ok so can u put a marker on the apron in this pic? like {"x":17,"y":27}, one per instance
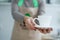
{"x":32,"y":11}
{"x":25,"y":34}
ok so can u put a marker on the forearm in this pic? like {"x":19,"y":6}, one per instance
{"x":18,"y":16}
{"x":41,"y":9}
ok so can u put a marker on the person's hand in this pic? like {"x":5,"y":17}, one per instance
{"x":31,"y":26}
{"x":45,"y":30}
{"x":29,"y":23}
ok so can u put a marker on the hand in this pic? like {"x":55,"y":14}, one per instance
{"x":29,"y":23}
{"x":44,"y":30}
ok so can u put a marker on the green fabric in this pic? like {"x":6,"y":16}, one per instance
{"x":20,"y":3}
{"x":35,"y":3}
{"x":27,"y":14}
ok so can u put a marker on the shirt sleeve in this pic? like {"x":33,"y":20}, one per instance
{"x":41,"y":9}
{"x":15,"y":12}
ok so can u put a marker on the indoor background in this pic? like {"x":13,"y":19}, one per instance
{"x":52,"y":7}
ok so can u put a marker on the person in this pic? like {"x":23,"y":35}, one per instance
{"x":24,"y":27}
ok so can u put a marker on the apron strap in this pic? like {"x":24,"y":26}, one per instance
{"x":20,"y":3}
{"x":35,"y":3}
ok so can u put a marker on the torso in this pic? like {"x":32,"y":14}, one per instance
{"x":28,"y":4}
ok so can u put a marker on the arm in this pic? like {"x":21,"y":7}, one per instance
{"x":40,"y":10}
{"x":41,"y":7}
{"x":15,"y":12}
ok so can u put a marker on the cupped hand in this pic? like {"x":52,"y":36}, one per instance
{"x":31,"y":26}
{"x":45,"y":30}
{"x":29,"y":23}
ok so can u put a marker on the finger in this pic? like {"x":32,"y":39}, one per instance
{"x":31,"y":25}
{"x":47,"y":30}
{"x":32,"y":21}
{"x":50,"y":29}
{"x":28,"y":27}
{"x":42,"y":30}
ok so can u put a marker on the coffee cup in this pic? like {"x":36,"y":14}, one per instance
{"x":44,"y":22}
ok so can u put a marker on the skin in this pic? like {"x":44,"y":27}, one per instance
{"x":31,"y":26}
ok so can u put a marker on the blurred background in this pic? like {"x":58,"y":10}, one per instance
{"x":52,"y":7}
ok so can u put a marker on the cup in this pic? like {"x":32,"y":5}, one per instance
{"x":44,"y":21}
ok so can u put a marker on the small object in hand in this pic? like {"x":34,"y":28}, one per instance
{"x":27,"y":14}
